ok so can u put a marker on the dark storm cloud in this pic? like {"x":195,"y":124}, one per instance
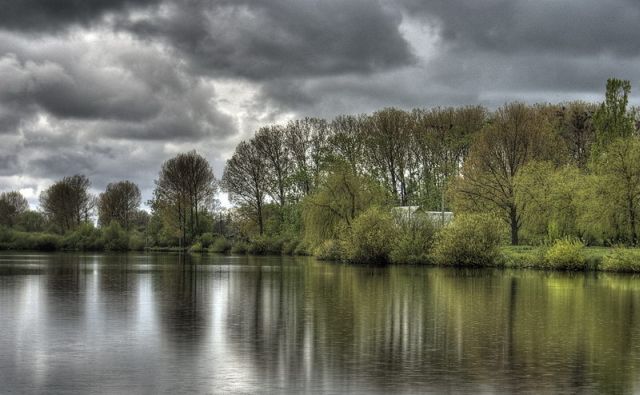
{"x":280,"y":38}
{"x":49,"y":15}
{"x":113,"y":88}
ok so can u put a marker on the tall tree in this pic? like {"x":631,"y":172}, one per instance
{"x":271,"y":144}
{"x":119,"y":202}
{"x":515,"y":135}
{"x":185,"y":187}
{"x":12,"y":205}
{"x":245,"y":179}
{"x":613,"y":120}
{"x":67,"y":203}
{"x":306,"y":142}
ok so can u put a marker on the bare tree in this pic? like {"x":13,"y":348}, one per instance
{"x":271,"y":144}
{"x":67,"y":203}
{"x":12,"y":205}
{"x":245,"y":179}
{"x":119,"y":202}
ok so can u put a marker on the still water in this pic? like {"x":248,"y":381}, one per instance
{"x":83,"y":323}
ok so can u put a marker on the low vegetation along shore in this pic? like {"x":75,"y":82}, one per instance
{"x":561,"y":179}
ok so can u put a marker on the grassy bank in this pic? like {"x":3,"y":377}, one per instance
{"x":616,"y":259}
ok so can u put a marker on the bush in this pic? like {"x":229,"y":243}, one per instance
{"x":34,"y":241}
{"x":85,"y":238}
{"x":565,"y":254}
{"x":207,"y":239}
{"x":220,"y":245}
{"x":137,"y":241}
{"x":329,"y":250}
{"x":263,"y":245}
{"x":239,"y":247}
{"x":370,"y":238}
{"x":622,"y":260}
{"x":196,"y":247}
{"x":289,"y":247}
{"x":413,"y":242}
{"x":469,"y":240}
{"x":302,"y":249}
{"x":115,"y":238}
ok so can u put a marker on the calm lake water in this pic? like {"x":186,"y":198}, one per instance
{"x":84,"y":323}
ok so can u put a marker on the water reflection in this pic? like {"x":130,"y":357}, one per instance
{"x":164,"y":323}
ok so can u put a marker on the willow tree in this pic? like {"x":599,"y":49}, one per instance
{"x":119,"y":203}
{"x":245,"y":179}
{"x":516,"y":134}
{"x":185,"y":187}
{"x":12,"y":205}
{"x":67,"y":203}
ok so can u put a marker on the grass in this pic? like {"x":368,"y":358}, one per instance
{"x":533,"y":256}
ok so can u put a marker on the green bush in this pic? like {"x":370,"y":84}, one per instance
{"x":289,"y":246}
{"x":469,"y":240}
{"x":240,"y":247}
{"x":34,"y":241}
{"x":413,"y":242}
{"x":370,"y":238}
{"x":622,"y":260}
{"x":263,"y":245}
{"x":136,"y":241}
{"x":302,"y":249}
{"x":196,"y":247}
{"x":220,"y":245}
{"x":115,"y":238}
{"x":329,"y":250}
{"x":523,"y":256}
{"x":207,"y":239}
{"x":565,"y":254}
{"x":85,"y":238}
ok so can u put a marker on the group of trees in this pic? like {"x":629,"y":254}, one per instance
{"x":546,"y":170}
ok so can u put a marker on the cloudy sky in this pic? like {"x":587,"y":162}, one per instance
{"x":112,"y":88}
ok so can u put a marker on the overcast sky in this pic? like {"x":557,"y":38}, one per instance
{"x":112,"y":88}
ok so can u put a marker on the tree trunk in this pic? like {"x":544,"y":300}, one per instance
{"x":513,"y":214}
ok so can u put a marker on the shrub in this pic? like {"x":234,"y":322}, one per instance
{"x":413,"y":242}
{"x":35,"y":241}
{"x":622,"y":260}
{"x":263,"y":245}
{"x":565,"y":254}
{"x":196,"y":247}
{"x":370,"y":238}
{"x":207,"y":239}
{"x":329,"y":250}
{"x":136,"y":241}
{"x":302,"y":249}
{"x":469,"y":240}
{"x":239,"y":247}
{"x":221,"y":245}
{"x":85,"y":238}
{"x":115,"y":238}
{"x":289,"y":246}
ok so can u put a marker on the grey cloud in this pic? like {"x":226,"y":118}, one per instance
{"x":47,"y":15}
{"x":281,"y":38}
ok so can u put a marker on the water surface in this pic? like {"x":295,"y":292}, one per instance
{"x":84,"y":323}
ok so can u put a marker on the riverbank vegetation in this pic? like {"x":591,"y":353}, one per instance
{"x":561,"y":178}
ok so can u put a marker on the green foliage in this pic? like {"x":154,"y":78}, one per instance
{"x":239,"y":247}
{"x":196,"y":247}
{"x":469,"y":240}
{"x":220,"y":245}
{"x":84,"y":238}
{"x":263,"y":245}
{"x":136,"y":241}
{"x":329,"y":250}
{"x":622,"y":260}
{"x":612,"y":120}
{"x":413,"y":241}
{"x":370,"y":238}
{"x":114,"y":237}
{"x":289,"y":246}
{"x":338,"y":201}
{"x":565,"y":254}
{"x":29,"y":241}
{"x":206,"y":239}
{"x":302,"y":249}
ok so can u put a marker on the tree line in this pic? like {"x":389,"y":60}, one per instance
{"x":547,"y":171}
